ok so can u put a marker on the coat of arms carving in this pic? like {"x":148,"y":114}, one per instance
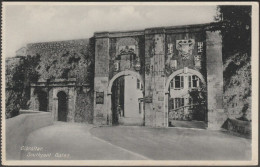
{"x":185,"y":47}
{"x":128,"y":49}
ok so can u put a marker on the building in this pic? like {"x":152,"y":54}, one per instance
{"x":144,"y":77}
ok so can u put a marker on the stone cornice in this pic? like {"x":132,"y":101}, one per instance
{"x":157,"y":30}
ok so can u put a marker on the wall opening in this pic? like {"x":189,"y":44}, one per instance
{"x":62,"y":106}
{"x":117,"y":99}
{"x":187,"y":100}
{"x":43,"y":101}
{"x":126,"y":101}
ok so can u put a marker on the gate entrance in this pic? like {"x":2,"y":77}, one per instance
{"x":187,"y":100}
{"x":43,"y":101}
{"x":62,"y":106}
{"x":126,"y":101}
{"x":152,"y":55}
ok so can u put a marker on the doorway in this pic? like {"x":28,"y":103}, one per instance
{"x":127,"y":101}
{"x":187,"y":100}
{"x":43,"y":101}
{"x":62,"y":106}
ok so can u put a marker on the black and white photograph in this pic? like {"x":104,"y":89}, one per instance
{"x":130,"y":83}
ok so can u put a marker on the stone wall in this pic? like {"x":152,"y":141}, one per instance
{"x":18,"y":128}
{"x":62,"y":60}
{"x":101,"y":80}
{"x":195,"y":61}
{"x":216,"y":115}
{"x":84,"y":107}
{"x":162,"y":52}
{"x":158,"y":54}
{"x":154,"y":77}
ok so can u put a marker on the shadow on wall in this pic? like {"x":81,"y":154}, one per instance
{"x":18,"y":128}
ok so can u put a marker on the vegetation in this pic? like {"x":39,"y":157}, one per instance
{"x":236,"y":33}
{"x":199,"y":99}
{"x":62,"y":64}
{"x":18,"y":81}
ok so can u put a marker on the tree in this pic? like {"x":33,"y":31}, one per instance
{"x":235,"y":29}
{"x":18,"y":86}
{"x":199,"y":99}
{"x":236,"y":34}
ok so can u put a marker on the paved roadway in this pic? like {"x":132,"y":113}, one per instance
{"x":72,"y":141}
{"x":177,"y":143}
{"x":67,"y":141}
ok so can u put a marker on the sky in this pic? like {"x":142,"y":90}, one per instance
{"x":41,"y":23}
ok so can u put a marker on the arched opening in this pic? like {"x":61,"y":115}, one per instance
{"x":43,"y":100}
{"x":126,"y":101}
{"x":186,"y":99}
{"x":62,"y":106}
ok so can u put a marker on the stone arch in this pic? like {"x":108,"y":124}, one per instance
{"x":109,"y":88}
{"x":182,"y":71}
{"x":43,"y":101}
{"x":62,"y":106}
{"x":41,"y":97}
{"x":123,"y":73}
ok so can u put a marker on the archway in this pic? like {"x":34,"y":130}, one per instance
{"x":62,"y":106}
{"x":185,"y":99}
{"x":43,"y":101}
{"x":125,"y":100}
{"x":41,"y":97}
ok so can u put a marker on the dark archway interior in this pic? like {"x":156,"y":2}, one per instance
{"x":43,"y":101}
{"x":62,"y":107}
{"x":117,"y":99}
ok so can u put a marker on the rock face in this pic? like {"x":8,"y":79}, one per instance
{"x":238,"y":86}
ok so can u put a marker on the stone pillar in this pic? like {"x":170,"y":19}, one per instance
{"x":32,"y":99}
{"x":216,"y":115}
{"x":50,"y":99}
{"x":54,"y":112}
{"x":101,"y":115}
{"x":154,"y":77}
{"x":71,"y":104}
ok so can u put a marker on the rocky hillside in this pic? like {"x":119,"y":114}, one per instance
{"x":237,"y":86}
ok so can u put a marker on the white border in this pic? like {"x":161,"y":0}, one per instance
{"x":255,"y":84}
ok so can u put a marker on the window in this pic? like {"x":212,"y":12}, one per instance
{"x":178,"y":81}
{"x":176,"y":103}
{"x":193,"y":81}
{"x":179,"y":102}
{"x":189,"y":81}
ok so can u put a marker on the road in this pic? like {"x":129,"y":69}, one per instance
{"x":72,"y":141}
{"x":177,"y":143}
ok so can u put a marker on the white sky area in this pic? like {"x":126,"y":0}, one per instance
{"x":41,"y":23}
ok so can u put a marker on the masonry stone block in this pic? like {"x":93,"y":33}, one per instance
{"x":216,"y":115}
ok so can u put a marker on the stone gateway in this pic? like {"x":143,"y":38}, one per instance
{"x":151,"y":77}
